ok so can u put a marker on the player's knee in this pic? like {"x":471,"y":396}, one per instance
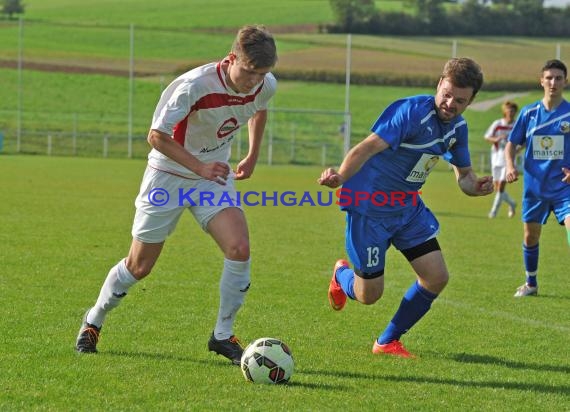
{"x":139,"y":269}
{"x":443,"y":283}
{"x":369,"y":295}
{"x":437,"y":283}
{"x":531,"y":237}
{"x":368,"y":287}
{"x":530,"y":240}
{"x":370,"y":298}
{"x":238,"y":250}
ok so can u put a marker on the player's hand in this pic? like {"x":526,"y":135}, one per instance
{"x":512,"y":175}
{"x":216,"y":171}
{"x":566,"y":178}
{"x":484,"y":185}
{"x":244,"y":169}
{"x":330,"y":178}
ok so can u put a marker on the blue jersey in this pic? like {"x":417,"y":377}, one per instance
{"x":546,"y":135}
{"x":417,"y":138}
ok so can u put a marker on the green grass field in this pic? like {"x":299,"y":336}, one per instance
{"x":62,"y":109}
{"x":66,"y":221}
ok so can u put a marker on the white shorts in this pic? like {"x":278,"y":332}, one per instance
{"x":163,"y":197}
{"x":499,"y":173}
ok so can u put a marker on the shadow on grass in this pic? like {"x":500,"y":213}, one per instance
{"x":549,"y":296}
{"x":462,"y":357}
{"x":494,"y":384}
{"x":212,"y":363}
{"x":493,"y":360}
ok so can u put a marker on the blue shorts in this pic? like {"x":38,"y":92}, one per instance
{"x":537,"y":210}
{"x":368,"y":239}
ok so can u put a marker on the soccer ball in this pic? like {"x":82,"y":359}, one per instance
{"x":267,"y":360}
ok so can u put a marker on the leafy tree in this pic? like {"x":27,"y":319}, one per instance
{"x":528,"y":7}
{"x":351,"y":14}
{"x":12,"y":7}
{"x":531,"y":15}
{"x":431,"y":14}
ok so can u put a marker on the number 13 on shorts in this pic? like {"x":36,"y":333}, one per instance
{"x":373,"y":256}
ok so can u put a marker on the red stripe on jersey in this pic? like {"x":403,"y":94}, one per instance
{"x":179,"y":131}
{"x":215,"y":100}
{"x":501,"y":128}
{"x":221,"y":72}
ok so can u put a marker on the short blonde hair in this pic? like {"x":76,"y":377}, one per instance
{"x":508,"y":105}
{"x":255,"y":46}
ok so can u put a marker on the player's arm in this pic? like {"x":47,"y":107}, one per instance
{"x":167,"y":146}
{"x":491,"y":135}
{"x":472,"y":185}
{"x":256,"y":128}
{"x":566,"y":178}
{"x":493,"y":138}
{"x":353,"y":161}
{"x":511,"y":170}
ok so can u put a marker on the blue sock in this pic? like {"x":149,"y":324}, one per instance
{"x":345,"y":278}
{"x":414,"y":306}
{"x":530,"y":257}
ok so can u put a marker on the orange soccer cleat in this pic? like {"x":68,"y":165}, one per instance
{"x":392,"y":348}
{"x":337,"y":297}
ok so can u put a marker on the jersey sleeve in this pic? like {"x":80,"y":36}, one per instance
{"x":458,"y":153}
{"x":268,"y":91}
{"x":393,"y":124}
{"x":491,"y":130}
{"x":517,"y":135}
{"x":174,"y":105}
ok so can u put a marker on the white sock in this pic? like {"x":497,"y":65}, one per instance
{"x":496,"y":203}
{"x":233,"y":287}
{"x":115,"y":287}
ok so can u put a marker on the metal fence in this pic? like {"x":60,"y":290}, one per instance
{"x":280,"y":146}
{"x":304,"y":137}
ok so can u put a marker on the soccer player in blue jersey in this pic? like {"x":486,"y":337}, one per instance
{"x":544,"y":128}
{"x":381,"y":178}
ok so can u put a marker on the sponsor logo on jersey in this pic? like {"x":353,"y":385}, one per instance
{"x":227,"y":128}
{"x":206,"y":149}
{"x":548,"y":147}
{"x":422,"y":168}
{"x":546,"y":142}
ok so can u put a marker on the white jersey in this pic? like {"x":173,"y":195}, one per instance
{"x":501,"y":128}
{"x":203,"y":114}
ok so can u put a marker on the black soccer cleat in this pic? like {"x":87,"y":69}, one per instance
{"x":230,"y":348}
{"x":88,"y":337}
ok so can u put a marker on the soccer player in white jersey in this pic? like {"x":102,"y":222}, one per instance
{"x":544,"y":128}
{"x":195,"y":121}
{"x":497,"y":135}
{"x":381,"y":178}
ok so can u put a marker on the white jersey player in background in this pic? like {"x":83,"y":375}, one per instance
{"x":194,"y":123}
{"x":497,"y":135}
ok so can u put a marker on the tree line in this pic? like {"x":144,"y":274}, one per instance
{"x":12,"y":7}
{"x":472,"y":17}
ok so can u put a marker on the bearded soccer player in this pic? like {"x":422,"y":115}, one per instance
{"x":396,"y":158}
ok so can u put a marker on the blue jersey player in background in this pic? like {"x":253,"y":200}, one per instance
{"x":544,"y":128}
{"x":380,"y":179}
